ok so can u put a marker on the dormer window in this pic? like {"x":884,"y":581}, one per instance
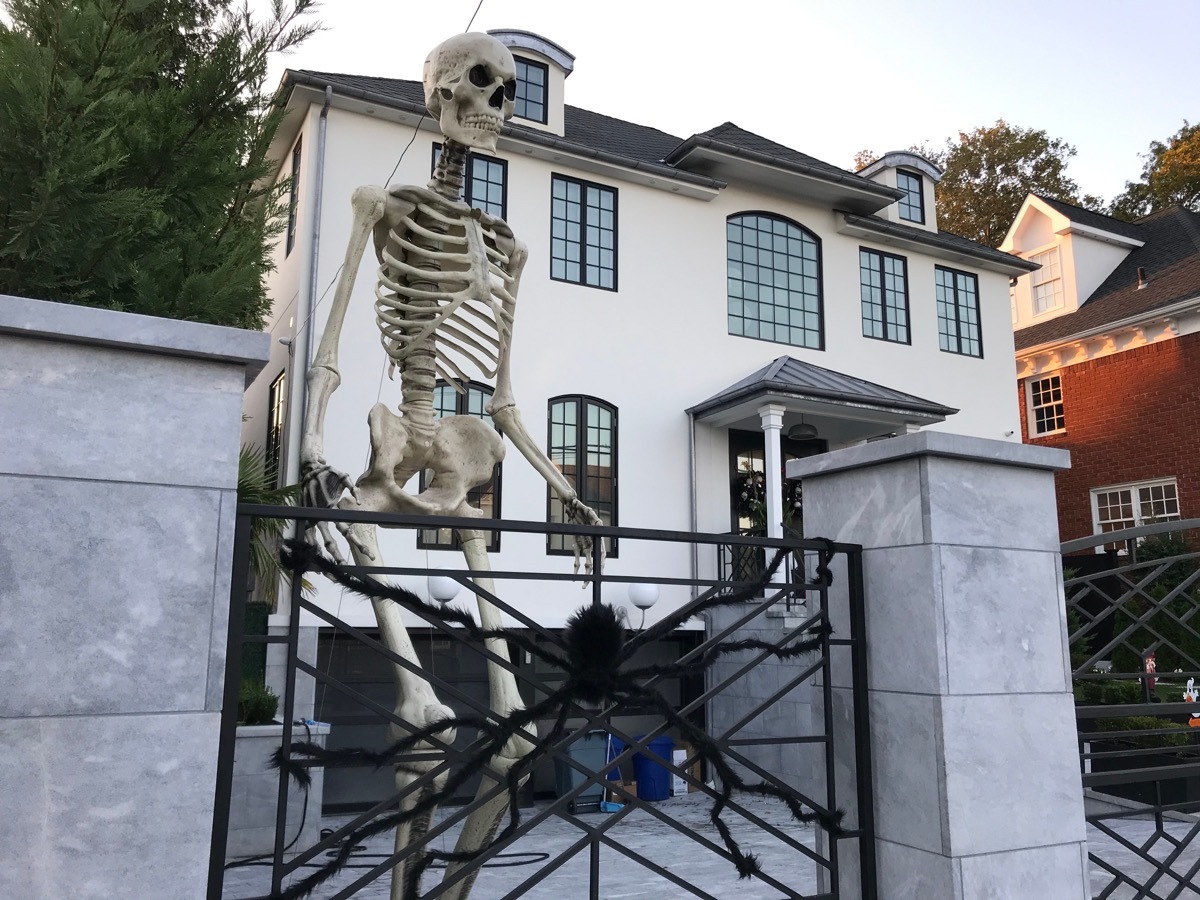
{"x":912,"y":204}
{"x":1047,"y":282}
{"x":532,"y":78}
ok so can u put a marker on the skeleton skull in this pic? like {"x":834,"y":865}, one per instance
{"x":470,"y":84}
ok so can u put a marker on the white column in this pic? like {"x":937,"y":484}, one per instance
{"x":772,"y":424}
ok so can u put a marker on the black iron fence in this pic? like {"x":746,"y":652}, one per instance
{"x":780,"y":826}
{"x":1133,"y":598}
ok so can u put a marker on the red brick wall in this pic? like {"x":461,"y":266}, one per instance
{"x":1131,"y":416}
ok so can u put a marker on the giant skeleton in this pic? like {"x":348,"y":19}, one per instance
{"x":445,"y":297}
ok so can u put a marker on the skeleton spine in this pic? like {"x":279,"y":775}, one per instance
{"x":418,"y":370}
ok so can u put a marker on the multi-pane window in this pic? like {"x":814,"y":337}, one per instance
{"x":486,"y":183}
{"x":1131,"y":505}
{"x":583,"y":232}
{"x":884,"y":292}
{"x":774,"y":280}
{"x":486,"y":497}
{"x":1046,"y":411}
{"x":583,"y":444}
{"x":293,"y":199}
{"x":912,"y":204}
{"x":958,"y":312}
{"x":276,"y":406}
{"x":1047,"y":282}
{"x":531,"y":90}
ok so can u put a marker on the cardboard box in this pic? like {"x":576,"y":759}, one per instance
{"x":613,"y":797}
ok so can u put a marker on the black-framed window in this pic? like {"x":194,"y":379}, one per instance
{"x":293,"y":200}
{"x":583,"y":232}
{"x":276,"y":415}
{"x":532,"y":81}
{"x":486,"y":184}
{"x":583,"y":445}
{"x":774,"y":280}
{"x":958,"y":312}
{"x":883,"y":288}
{"x":486,"y":497}
{"x":912,"y":204}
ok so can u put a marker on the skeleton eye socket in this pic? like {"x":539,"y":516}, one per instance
{"x":479,"y":76}
{"x":510,"y":90}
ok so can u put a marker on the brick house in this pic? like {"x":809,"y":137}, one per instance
{"x":1107,"y":339}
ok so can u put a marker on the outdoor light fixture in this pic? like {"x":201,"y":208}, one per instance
{"x":802,"y":432}
{"x":643,"y":596}
{"x":442,"y":588}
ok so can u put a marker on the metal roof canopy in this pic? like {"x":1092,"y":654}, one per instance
{"x":843,"y":408}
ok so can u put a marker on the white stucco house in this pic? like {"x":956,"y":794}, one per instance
{"x":705,"y":304}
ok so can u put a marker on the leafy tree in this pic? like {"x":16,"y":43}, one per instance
{"x":1170,"y":177}
{"x":133,"y":166}
{"x":991,"y":169}
{"x":988,"y":172}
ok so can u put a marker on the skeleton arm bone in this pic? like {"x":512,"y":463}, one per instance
{"x":503,"y":406}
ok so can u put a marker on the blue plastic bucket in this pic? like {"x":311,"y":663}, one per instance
{"x":653,"y":781}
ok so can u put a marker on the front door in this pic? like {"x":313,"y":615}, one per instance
{"x":747,"y":479}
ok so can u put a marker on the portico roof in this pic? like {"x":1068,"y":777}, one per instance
{"x":842,"y":407}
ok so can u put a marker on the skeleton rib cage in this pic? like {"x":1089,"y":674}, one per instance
{"x":440,"y":292}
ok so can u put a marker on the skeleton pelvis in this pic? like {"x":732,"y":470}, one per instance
{"x":461,"y":452}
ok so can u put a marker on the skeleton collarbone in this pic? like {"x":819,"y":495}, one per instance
{"x":442,"y":295}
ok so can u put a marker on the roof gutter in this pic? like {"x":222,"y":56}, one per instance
{"x":999,"y":260}
{"x":852,"y":181}
{"x":529,"y":136}
{"x":1191,"y":304}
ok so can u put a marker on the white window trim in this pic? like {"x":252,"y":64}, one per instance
{"x":1132,"y":487}
{"x":1059,"y":290}
{"x":1030,"y":414}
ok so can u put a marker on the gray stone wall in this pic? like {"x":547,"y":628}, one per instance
{"x":977,"y":792}
{"x":118,"y":469}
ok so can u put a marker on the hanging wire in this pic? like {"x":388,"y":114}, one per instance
{"x":473,"y":15}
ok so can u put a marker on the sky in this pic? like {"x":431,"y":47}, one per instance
{"x":832,"y":77}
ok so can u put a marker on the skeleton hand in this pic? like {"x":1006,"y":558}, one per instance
{"x":582,"y":514}
{"x":321,"y":487}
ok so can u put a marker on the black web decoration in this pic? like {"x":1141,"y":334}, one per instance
{"x":596,"y":651}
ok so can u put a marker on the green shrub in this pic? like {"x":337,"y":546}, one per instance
{"x":1181,"y":738}
{"x":1106,"y":692}
{"x":257,"y":703}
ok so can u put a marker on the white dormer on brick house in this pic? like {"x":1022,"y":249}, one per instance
{"x":917,"y":177}
{"x":1076,"y":249}
{"x":542,"y":70}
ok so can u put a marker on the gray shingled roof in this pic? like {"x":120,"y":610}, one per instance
{"x":738,"y":141}
{"x":943,"y":239}
{"x":1171,"y":259}
{"x":585,"y":133}
{"x":791,"y":377}
{"x":1091,"y":219}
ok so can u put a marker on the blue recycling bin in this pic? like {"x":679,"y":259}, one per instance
{"x":653,"y":781}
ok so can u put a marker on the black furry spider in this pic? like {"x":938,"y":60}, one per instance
{"x":597,"y":647}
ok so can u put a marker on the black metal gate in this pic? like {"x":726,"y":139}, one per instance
{"x":1133,"y":598}
{"x":737,"y":803}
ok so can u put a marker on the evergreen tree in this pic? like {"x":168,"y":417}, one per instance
{"x":133,"y":165}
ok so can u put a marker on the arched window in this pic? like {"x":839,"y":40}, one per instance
{"x":774,"y":280}
{"x":448,"y":402}
{"x":583,"y":444}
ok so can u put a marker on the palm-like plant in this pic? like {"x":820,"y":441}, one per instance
{"x":256,"y":484}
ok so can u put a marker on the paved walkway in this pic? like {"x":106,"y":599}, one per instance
{"x":622,"y":877}
{"x":531,"y":859}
